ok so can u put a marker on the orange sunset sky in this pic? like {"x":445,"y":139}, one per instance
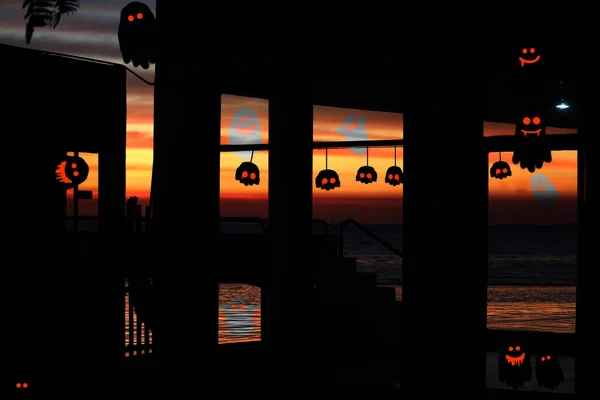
{"x":92,"y":32}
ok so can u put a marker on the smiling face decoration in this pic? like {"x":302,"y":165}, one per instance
{"x":529,"y":55}
{"x":72,"y":171}
{"x":514,"y":366}
{"x":244,"y":129}
{"x":327,"y":179}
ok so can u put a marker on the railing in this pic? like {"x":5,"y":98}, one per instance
{"x":368,"y":232}
{"x":139,"y":337}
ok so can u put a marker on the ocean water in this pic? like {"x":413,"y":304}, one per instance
{"x":531,"y":278}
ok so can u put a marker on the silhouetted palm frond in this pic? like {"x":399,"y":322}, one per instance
{"x":64,"y":7}
{"x":42,"y":13}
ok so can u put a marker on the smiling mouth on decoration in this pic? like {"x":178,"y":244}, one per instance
{"x":61,"y":174}
{"x":245,"y":131}
{"x":525,"y":61}
{"x":539,"y":189}
{"x":536,"y":132}
{"x":515,"y":360}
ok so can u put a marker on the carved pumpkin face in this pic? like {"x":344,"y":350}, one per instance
{"x":394,"y":176}
{"x":366,"y":174}
{"x":72,"y":171}
{"x":529,"y":55}
{"x":515,"y":356}
{"x":500,"y":170}
{"x":248,"y":174}
{"x":327,"y":179}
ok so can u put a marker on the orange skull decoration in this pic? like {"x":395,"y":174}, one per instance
{"x":327,"y":179}
{"x":514,"y":367}
{"x":500,"y":170}
{"x":248,"y":174}
{"x":72,"y":171}
{"x":366,"y":174}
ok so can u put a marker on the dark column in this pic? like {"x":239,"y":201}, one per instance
{"x":588,"y":183}
{"x":445,"y":223}
{"x":290,"y":215}
{"x":185,"y":193}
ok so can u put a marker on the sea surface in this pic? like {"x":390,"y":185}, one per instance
{"x":531,"y":284}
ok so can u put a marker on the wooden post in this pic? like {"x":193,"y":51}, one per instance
{"x":290,"y":214}
{"x":187,"y":107}
{"x":445,"y":224}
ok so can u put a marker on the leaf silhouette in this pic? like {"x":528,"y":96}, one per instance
{"x":42,"y":13}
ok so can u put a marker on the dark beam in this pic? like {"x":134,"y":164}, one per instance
{"x":493,"y":144}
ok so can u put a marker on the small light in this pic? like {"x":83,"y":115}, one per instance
{"x":562,"y":106}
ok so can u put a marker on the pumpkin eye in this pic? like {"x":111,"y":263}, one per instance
{"x":526,"y":121}
{"x":332,"y":180}
{"x":397,"y":177}
{"x":253,"y":176}
{"x":324,"y":181}
{"x":536,"y":120}
{"x":518,"y":348}
{"x":510,"y":348}
{"x":245,"y":174}
{"x":504,"y":170}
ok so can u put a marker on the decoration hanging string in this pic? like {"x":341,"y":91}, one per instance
{"x":500,"y":156}
{"x":252,"y":156}
{"x":325,"y":158}
{"x":367,"y":156}
{"x":394,"y":156}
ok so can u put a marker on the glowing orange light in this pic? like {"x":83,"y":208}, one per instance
{"x":140,"y":15}
{"x":528,"y":121}
{"x":130,"y":18}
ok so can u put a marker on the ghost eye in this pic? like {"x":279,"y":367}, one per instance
{"x":510,"y":348}
{"x":524,"y":51}
{"x":390,"y":176}
{"x":498,"y":171}
{"x":397,"y":177}
{"x":354,"y":124}
{"x":369,"y":176}
{"x":518,"y":348}
{"x":140,"y":16}
{"x":332,"y":180}
{"x":253,"y":176}
{"x":245,"y":174}
{"x":532,"y":50}
{"x":536,"y":120}
{"x":247,"y":118}
{"x":362,"y":175}
{"x":324,"y":181}
{"x":73,"y":165}
{"x":504,"y":170}
{"x":543,"y":358}
{"x":547,"y":357}
{"x":526,"y":120}
{"x":130,"y":18}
